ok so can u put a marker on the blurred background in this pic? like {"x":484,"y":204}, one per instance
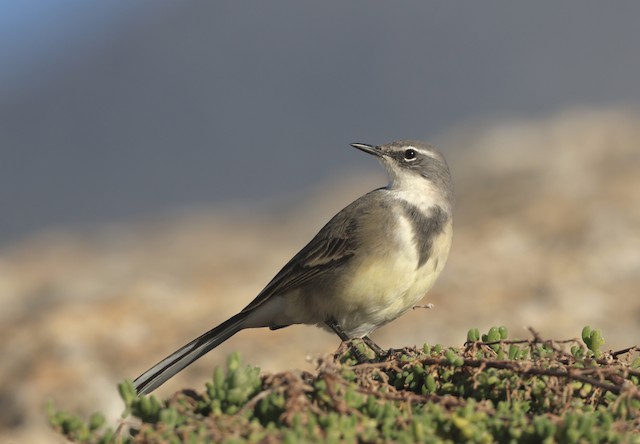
{"x":161,"y":160}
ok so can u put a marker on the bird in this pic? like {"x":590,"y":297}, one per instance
{"x":371,"y":263}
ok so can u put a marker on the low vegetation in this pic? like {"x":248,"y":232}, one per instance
{"x":492,"y":389}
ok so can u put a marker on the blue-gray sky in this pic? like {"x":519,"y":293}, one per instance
{"x":115,"y":109}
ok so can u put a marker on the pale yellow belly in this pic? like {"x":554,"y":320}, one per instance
{"x":381,"y":289}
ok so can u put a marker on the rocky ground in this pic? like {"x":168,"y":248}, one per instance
{"x":547,"y":235}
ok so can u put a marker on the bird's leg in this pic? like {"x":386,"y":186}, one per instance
{"x":375,"y":347}
{"x":333,"y":325}
{"x":379,"y":351}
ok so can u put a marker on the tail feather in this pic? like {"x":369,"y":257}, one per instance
{"x":181,"y":358}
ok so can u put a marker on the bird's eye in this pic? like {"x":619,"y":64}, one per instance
{"x":410,"y":154}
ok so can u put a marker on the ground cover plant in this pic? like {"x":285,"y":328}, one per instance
{"x":491,"y":389}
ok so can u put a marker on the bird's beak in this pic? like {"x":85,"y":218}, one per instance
{"x":376,"y":151}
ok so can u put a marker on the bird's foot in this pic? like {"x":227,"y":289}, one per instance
{"x":382,"y":354}
{"x":379,"y":351}
{"x":356,"y":348}
{"x":346,"y":342}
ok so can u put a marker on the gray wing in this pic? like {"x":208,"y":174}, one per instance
{"x":333,"y":246}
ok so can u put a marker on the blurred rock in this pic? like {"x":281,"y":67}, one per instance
{"x":547,"y":235}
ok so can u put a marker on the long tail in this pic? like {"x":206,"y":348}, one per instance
{"x":178,"y":360}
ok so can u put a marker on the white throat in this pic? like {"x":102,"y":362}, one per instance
{"x":417,"y":191}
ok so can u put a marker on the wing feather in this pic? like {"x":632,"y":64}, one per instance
{"x":332,"y":246}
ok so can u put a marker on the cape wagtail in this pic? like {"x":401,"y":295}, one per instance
{"x":368,"y":265}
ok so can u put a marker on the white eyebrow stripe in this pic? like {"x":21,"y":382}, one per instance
{"x":421,"y":151}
